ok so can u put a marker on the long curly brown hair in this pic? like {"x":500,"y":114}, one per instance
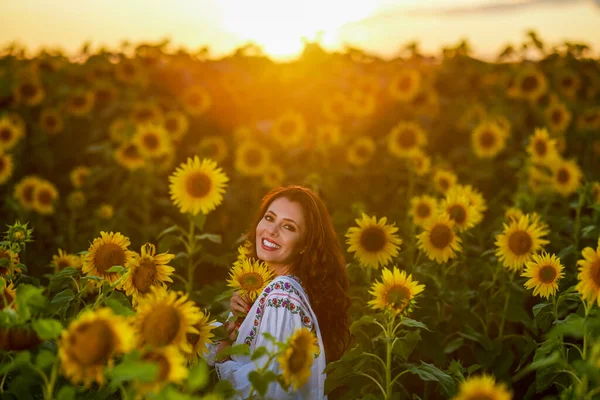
{"x":320,"y":267}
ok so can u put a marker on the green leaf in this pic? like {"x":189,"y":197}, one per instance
{"x":198,"y":376}
{"x":47,"y":329}
{"x":66,"y":393}
{"x":259,"y":352}
{"x":132,"y":370}
{"x":20,"y":359}
{"x":171,"y":393}
{"x":454,"y":345}
{"x":405,"y":345}
{"x":554,"y":358}
{"x":411,"y":323}
{"x":236,"y":349}
{"x":119,"y":308}
{"x":429,"y":372}
{"x":539,"y":307}
{"x":44,"y":359}
{"x":168,"y":231}
{"x":30,"y":300}
{"x":261,"y":381}
{"x":570,"y":326}
{"x":199,"y":220}
{"x":62,"y":276}
{"x":116,"y":268}
{"x":212,"y":237}
{"x":566,"y":251}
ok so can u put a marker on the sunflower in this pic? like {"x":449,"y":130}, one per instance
{"x":249,"y":277}
{"x":80,"y":103}
{"x":362,"y":103}
{"x":538,"y":180}
{"x":297,"y":358}
{"x":44,"y":197}
{"x":198,"y":341}
{"x":472,"y":116}
{"x":273,"y":176}
{"x":531,"y":84}
{"x":596,"y":192}
{"x":252,"y":158}
{"x":519,"y":241}
{"x":197,"y":186}
{"x":171,"y":369}
{"x":90,"y":343}
{"x":589,"y":274}
{"x":51,"y":121}
{"x":336,"y":107}
{"x":456,"y":206}
{"x":289,"y":129}
{"x":64,"y":259}
{"x":374,"y":242}
{"x":29,"y":92}
{"x":444,"y":180}
{"x":166,"y":318}
{"x":76,"y":200}
{"x":176,"y":124}
{"x":328,"y":135}
{"x":105,"y":211}
{"x":589,"y":119}
{"x":121,"y":129}
{"x":488,"y":139}
{"x":25,"y":191}
{"x":422,"y":209}
{"x":104,"y":94}
{"x":213,"y":147}
{"x":476,"y":200}
{"x":128,"y":155}
{"x":544,"y":272}
{"x":8,"y":296}
{"x":419,"y":162}
{"x":152,"y":140}
{"x":482,"y":387}
{"x":108,"y":250}
{"x":16,"y":260}
{"x":568,"y":82}
{"x":6,"y":167}
{"x":128,"y":71}
{"x":405,"y":138}
{"x":146,"y":270}
{"x":439,"y":241}
{"x":558,"y":117}
{"x":146,"y":113}
{"x":360,"y":151}
{"x":10,"y":133}
{"x":196,"y":100}
{"x":78,"y":175}
{"x":396,"y":292}
{"x":566,"y":176}
{"x":405,"y":85}
{"x":513,"y":213}
{"x":541,"y":148}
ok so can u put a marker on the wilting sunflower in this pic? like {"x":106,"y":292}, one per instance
{"x":6,"y":167}
{"x":439,"y":241}
{"x":196,"y":100}
{"x":482,"y":387}
{"x":519,"y":241}
{"x":90,"y":343}
{"x":374,"y":242}
{"x":558,"y":117}
{"x":297,"y":359}
{"x":146,"y":270}
{"x":10,"y":134}
{"x":422,"y":209}
{"x":289,"y":129}
{"x":44,"y":197}
{"x":488,"y":139}
{"x":108,"y":250}
{"x":51,"y":121}
{"x":171,"y":369}
{"x":544,"y":272}
{"x":336,"y":107}
{"x":531,"y":84}
{"x":596,"y":192}
{"x":420,"y":162}
{"x":396,"y":292}
{"x":566,"y":176}
{"x":249,"y":277}
{"x":128,"y":155}
{"x":405,"y":85}
{"x":589,"y":274}
{"x":252,"y":158}
{"x":78,"y":175}
{"x":456,"y":206}
{"x":25,"y":190}
{"x":64,"y":259}
{"x":29,"y":92}
{"x":213,"y":147}
{"x":16,"y":260}
{"x":176,"y":124}
{"x":444,"y":180}
{"x":152,"y":140}
{"x":405,"y":138}
{"x":198,"y":341}
{"x":273,"y":176}
{"x":197,"y":186}
{"x":8,"y":297}
{"x":513,"y":213}
{"x":80,"y":103}
{"x":360,"y":151}
{"x":105,"y":211}
{"x":166,"y":318}
{"x":542,"y":148}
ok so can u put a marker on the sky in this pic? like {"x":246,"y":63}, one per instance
{"x":379,"y":27}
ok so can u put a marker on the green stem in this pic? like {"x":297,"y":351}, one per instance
{"x":506,"y":300}
{"x":374,"y":380}
{"x":577,"y":227}
{"x":585,"y":329}
{"x":376,"y":357}
{"x":262,"y":369}
{"x":191,"y":264}
{"x":53,"y":374}
{"x":389,"y":344}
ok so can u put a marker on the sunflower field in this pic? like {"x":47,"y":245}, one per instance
{"x":465,"y":194}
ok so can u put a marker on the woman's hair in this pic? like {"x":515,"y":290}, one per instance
{"x":320,"y":267}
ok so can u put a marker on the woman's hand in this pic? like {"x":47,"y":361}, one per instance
{"x":239,"y":305}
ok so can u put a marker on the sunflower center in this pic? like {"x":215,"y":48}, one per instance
{"x":131,"y":151}
{"x":529,"y":84}
{"x":150,"y":141}
{"x":251,"y":281}
{"x":487,"y":139}
{"x":567,"y":82}
{"x":192,"y":338}
{"x":172,"y":125}
{"x":44,"y":197}
{"x":287,"y":127}
{"x":161,"y":361}
{"x":50,"y":121}
{"x":144,"y":114}
{"x":28,"y":90}
{"x":298,"y":359}
{"x":253,"y":157}
{"x":144,"y":276}
{"x":557,"y":116}
{"x":458,"y":213}
{"x":63,"y":263}
{"x":423,"y":210}
{"x":28,"y":193}
{"x":108,"y":255}
{"x":520,"y":243}
{"x":103,"y":96}
{"x":373,"y":239}
{"x":547,"y":274}
{"x":563,"y":176}
{"x":440,"y":236}
{"x":404,"y":83}
{"x":198,"y":185}
{"x":362,"y":152}
{"x":444,"y":183}
{"x":194,"y":99}
{"x":161,"y":326}
{"x":407,"y":138}
{"x":92,"y":343}
{"x":78,"y":101}
{"x":540,"y":148}
{"x":595,"y":272}
{"x":5,"y":134}
{"x":398,"y":296}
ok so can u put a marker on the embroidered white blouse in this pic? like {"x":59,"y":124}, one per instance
{"x":280,"y":309}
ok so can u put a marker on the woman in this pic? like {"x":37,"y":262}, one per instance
{"x":293,"y":233}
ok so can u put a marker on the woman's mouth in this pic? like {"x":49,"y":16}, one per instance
{"x":269,"y":245}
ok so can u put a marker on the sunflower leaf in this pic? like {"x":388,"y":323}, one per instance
{"x":44,"y":359}
{"x":539,"y":307}
{"x":47,"y":329}
{"x":66,"y":392}
{"x":30,"y":299}
{"x":132,"y":370}
{"x":168,"y":231}
{"x":199,"y":220}
{"x":213,"y":237}
{"x":429,"y":372}
{"x":259,"y":352}
{"x":411,"y":323}
{"x":116,"y":268}
{"x":61,"y":277}
{"x":198,"y":377}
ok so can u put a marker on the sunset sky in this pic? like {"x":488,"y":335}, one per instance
{"x":377,"y":26}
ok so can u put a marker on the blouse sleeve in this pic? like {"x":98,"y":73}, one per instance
{"x":279,"y":313}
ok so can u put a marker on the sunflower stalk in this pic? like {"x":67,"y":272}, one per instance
{"x":505,"y":309}
{"x":577,"y":228}
{"x":191,"y":250}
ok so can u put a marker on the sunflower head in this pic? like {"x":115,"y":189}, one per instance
{"x":10,"y":133}
{"x":7,"y":254}
{"x":25,"y":191}
{"x":6,"y":167}
{"x":274,"y":175}
{"x":64,"y":259}
{"x":213,"y":147}
{"x":544,"y":272}
{"x":438,"y":240}
{"x":80,"y":103}
{"x":513,"y":214}
{"x":129,"y":156}
{"x":176,"y":124}
{"x":542,"y":148}
{"x":171,"y":368}
{"x":108,"y":250}
{"x":252,"y":158}
{"x":44,"y":197}
{"x":297,"y":359}
{"x":361,"y":151}
{"x":152,"y":140}
{"x":443,"y":180}
{"x":420,"y":162}
{"x":406,"y":138}
{"x":29,"y":92}
{"x":566,"y":176}
{"x":589,"y":274}
{"x":423,"y":209}
{"x":196,"y":100}
{"x":558,"y":117}
{"x":456,"y":205}
{"x":197,"y":186}
{"x":519,"y":241}
{"x":405,"y":85}
{"x":198,"y":341}
{"x":336,"y":107}
{"x":78,"y":175}
{"x":396,"y":292}
{"x":105,"y":211}
{"x":482,"y":387}
{"x":249,"y":277}
{"x":146,"y":270}
{"x":488,"y":139}
{"x":532,"y":84}
{"x":374,"y":242}
{"x":289,"y":129}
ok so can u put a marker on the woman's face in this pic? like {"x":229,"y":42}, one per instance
{"x":280,"y":234}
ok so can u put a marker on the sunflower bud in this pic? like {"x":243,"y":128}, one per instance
{"x":18,"y":235}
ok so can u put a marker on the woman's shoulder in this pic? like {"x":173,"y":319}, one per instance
{"x":283,"y":285}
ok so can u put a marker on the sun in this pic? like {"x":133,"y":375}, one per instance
{"x":279,"y":26}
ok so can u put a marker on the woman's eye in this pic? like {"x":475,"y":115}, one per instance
{"x":268,"y":218}
{"x":290,"y":228}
